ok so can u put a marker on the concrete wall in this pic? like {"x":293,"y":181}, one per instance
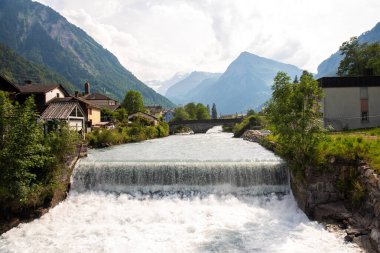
{"x":94,"y":116}
{"x":53,"y":94}
{"x":342,"y":110}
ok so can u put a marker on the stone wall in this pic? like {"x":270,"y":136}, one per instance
{"x":318,"y":194}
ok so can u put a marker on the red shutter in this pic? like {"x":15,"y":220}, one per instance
{"x":364,"y":105}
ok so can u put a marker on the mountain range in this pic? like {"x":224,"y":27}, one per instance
{"x":329,"y":67}
{"x":183,"y":91}
{"x":244,"y":85}
{"x":44,"y":37}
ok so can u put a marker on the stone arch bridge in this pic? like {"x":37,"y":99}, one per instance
{"x":201,"y":126}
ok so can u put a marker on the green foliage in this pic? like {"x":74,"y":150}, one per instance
{"x":246,"y":124}
{"x":250,"y":112}
{"x":133,"y":102}
{"x":27,"y":157}
{"x":62,"y":142}
{"x":202,"y":112}
{"x":137,"y":131}
{"x":17,"y":69}
{"x":214,"y":113}
{"x":350,"y":147}
{"x":191,"y":111}
{"x":358,"y":58}
{"x":180,"y":114}
{"x":294,"y":113}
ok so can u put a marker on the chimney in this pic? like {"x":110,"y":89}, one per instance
{"x":28,"y":81}
{"x":87,"y":88}
{"x":76,"y":93}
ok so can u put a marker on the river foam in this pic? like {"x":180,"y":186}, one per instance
{"x":100,"y":222}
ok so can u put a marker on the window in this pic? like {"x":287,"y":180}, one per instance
{"x":364,"y":116}
{"x":364,"y":103}
{"x":57,"y":95}
{"x":89,"y":111}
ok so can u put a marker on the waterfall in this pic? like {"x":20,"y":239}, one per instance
{"x":173,"y":176}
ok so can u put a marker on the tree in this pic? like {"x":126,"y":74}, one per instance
{"x":191,"y":109}
{"x":214,"y":113}
{"x":294,"y":112}
{"x":251,"y":112}
{"x":359,"y":58}
{"x":24,"y":155}
{"x":208,"y":109}
{"x":202,"y":112}
{"x":133,"y":102}
{"x":295,"y":79}
{"x":180,"y":114}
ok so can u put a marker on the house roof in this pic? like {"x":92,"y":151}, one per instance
{"x":6,"y":85}
{"x":142,"y":114}
{"x":97,"y":96}
{"x":40,"y":88}
{"x":109,"y":107}
{"x":349,"y":81}
{"x":59,"y":110}
{"x":73,"y":99}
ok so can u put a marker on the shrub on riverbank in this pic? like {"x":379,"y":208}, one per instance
{"x":248,"y":123}
{"x":30,"y":160}
{"x":134,"y":132}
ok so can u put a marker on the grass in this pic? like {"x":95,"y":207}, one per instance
{"x":349,"y":145}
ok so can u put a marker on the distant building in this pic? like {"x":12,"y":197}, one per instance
{"x":351,"y":102}
{"x":168,"y":115}
{"x":155,"y":110}
{"x":153,"y":121}
{"x":101,"y":100}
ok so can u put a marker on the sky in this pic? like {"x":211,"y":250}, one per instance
{"x":155,"y":39}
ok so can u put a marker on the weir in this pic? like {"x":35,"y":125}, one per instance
{"x":171,"y":176}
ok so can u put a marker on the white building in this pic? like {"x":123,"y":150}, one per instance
{"x":351,"y":102}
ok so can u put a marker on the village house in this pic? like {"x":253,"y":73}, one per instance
{"x":69,"y":112}
{"x":351,"y":102}
{"x":100,"y":100}
{"x":91,"y":111}
{"x":155,"y":110}
{"x":153,"y":121}
{"x":42,"y":93}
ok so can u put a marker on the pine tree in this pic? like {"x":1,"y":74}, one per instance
{"x":214,"y":113}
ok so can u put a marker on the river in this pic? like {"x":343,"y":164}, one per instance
{"x":192,"y":193}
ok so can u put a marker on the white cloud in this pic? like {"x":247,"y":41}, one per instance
{"x":157,"y":38}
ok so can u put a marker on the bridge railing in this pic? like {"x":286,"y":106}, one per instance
{"x":210,"y":121}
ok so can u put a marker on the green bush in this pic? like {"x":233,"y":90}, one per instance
{"x":246,"y":124}
{"x":29,"y":159}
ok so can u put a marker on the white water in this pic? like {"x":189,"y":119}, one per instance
{"x":139,"y":218}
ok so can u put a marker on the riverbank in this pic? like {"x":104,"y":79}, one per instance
{"x":12,"y":214}
{"x":343,"y":192}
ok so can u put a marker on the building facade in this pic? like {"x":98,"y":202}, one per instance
{"x":351,"y":102}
